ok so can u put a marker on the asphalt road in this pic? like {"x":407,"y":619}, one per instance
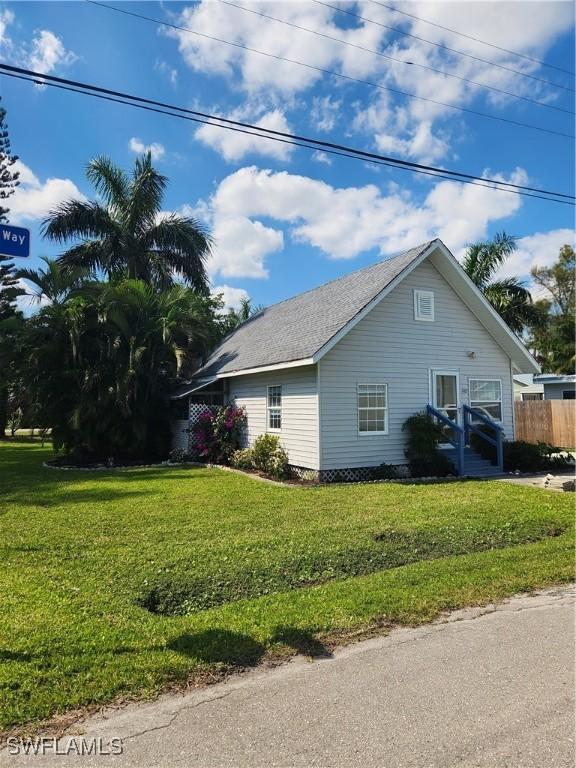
{"x":489,"y":687}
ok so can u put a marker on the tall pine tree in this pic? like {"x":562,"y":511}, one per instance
{"x":9,"y":287}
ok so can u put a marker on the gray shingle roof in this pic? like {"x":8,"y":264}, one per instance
{"x":295,"y":329}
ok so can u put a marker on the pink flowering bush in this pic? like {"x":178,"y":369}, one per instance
{"x":217,"y":433}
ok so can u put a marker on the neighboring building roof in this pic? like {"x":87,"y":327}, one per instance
{"x":297,"y":328}
{"x":554,"y":378}
{"x":299,"y":331}
{"x":524,"y":383}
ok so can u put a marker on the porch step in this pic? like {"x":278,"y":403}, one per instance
{"x":474,"y":464}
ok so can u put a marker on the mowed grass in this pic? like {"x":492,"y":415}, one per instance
{"x":239,"y":569}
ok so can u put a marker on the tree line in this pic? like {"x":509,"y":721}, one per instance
{"x":125,"y":313}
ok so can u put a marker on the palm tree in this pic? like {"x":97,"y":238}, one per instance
{"x":52,"y":283}
{"x":102,"y":364}
{"x":508,"y":296}
{"x":125,"y":235}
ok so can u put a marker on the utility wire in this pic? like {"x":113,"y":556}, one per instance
{"x":151,"y":105}
{"x":475,"y":39}
{"x":392,"y":58}
{"x":285,"y":141}
{"x":323,"y":71}
{"x":444,"y":47}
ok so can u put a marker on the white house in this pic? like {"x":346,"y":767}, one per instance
{"x":336,"y":371}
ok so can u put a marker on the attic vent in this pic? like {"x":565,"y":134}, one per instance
{"x":424,"y":305}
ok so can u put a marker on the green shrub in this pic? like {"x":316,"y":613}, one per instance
{"x":269,"y":457}
{"x":527,"y":457}
{"x":520,"y":456}
{"x":384,"y":472}
{"x":178,"y":455}
{"x":242,"y":459}
{"x":422,"y":453}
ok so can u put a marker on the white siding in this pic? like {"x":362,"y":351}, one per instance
{"x":299,"y":433}
{"x":389,"y":346}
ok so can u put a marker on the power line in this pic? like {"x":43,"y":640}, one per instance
{"x":151,"y":105}
{"x":347,"y":155}
{"x":475,"y":39}
{"x":392,"y":58}
{"x":348,"y":78}
{"x":444,"y":47}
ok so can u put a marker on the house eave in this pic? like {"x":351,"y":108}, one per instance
{"x":264,"y":368}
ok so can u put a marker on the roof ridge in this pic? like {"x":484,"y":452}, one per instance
{"x":420,"y":248}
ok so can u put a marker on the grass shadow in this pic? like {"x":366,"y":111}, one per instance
{"x":219,"y":646}
{"x":302,"y":642}
{"x":6,"y":655}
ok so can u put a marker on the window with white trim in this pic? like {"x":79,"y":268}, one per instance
{"x":424,"y":305}
{"x":486,"y":396}
{"x":372,"y":408}
{"x":274,"y":408}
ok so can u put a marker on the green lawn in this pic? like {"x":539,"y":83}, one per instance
{"x":234,"y":569}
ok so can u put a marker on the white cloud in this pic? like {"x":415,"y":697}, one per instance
{"x":33,"y":199}
{"x":47,"y":51}
{"x":156,"y":150}
{"x":261,"y":74}
{"x":418,"y":128}
{"x":342,"y":222}
{"x":231,"y":296}
{"x":324,"y":112}
{"x":540,"y":249}
{"x":6,"y":18}
{"x":420,"y":143}
{"x":321,"y":157}
{"x":242,"y":246}
{"x":31,"y":300}
{"x":169,"y":72}
{"x":44,"y":52}
{"x":234,"y":145}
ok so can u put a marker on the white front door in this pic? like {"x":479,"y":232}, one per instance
{"x":444,"y":387}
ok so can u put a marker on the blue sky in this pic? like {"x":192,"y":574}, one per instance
{"x":285,"y":219}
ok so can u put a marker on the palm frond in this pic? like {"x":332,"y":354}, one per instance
{"x":75,"y":219}
{"x":183,"y":244}
{"x":110,"y":181}
{"x":482,"y":260}
{"x":146,"y":191}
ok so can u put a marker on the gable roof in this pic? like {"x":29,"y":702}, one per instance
{"x":300,"y":330}
{"x":297,"y":328}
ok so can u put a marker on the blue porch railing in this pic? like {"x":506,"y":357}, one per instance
{"x":455,"y":435}
{"x":459,"y":436}
{"x":496,"y":440}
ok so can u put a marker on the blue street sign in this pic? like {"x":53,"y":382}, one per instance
{"x":14,"y":241}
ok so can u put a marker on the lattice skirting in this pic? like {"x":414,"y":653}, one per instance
{"x":345,"y":475}
{"x":304,"y":473}
{"x":355,"y":474}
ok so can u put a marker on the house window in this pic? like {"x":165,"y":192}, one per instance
{"x":486,"y":397}
{"x":532,"y":396}
{"x":274,"y":408}
{"x":568,"y":394}
{"x":424,"y":306}
{"x":373,"y":408}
